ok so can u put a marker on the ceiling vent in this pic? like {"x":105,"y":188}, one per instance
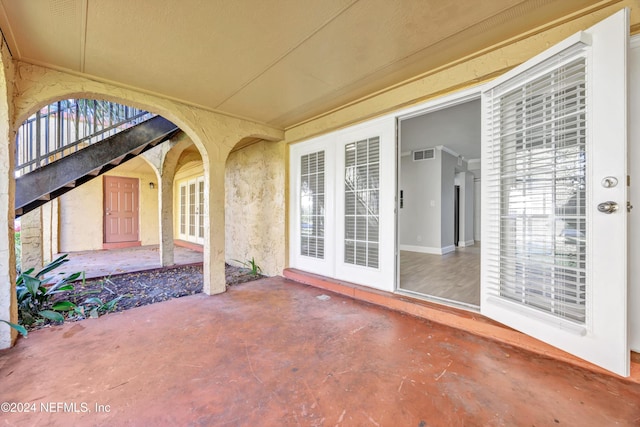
{"x":427,"y":154}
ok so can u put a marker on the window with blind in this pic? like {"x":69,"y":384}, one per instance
{"x":201,"y":208}
{"x":183,"y":209}
{"x":362,"y":194}
{"x":537,"y":153}
{"x":312,"y":194}
{"x":192,"y":220}
{"x":192,"y":209}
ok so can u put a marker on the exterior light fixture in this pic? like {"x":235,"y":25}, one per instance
{"x":152,"y":186}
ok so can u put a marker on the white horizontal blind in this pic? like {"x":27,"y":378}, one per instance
{"x":362,"y":200}
{"x":183,"y":210}
{"x":201,"y":208}
{"x":536,"y":172}
{"x":192,"y":209}
{"x":312,"y":199}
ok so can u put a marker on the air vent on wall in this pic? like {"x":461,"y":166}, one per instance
{"x":426,"y":154}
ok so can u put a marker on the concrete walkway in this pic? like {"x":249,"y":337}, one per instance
{"x":271,"y":353}
{"x":118,"y":261}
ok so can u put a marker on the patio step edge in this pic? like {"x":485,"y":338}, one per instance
{"x":464,"y":320}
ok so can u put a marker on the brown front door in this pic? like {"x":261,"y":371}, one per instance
{"x":120,"y":209}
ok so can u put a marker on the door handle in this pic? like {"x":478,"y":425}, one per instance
{"x":608,"y":207}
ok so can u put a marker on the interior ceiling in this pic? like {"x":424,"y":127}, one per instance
{"x":276,"y":62}
{"x":456,"y":127}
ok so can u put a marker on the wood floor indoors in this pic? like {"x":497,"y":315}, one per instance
{"x":454,"y":276}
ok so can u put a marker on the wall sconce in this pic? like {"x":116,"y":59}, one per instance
{"x":152,"y":186}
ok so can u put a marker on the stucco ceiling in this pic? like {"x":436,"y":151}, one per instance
{"x":279,"y":62}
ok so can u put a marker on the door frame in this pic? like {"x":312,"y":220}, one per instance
{"x":451,"y":100}
{"x":125,"y":244}
{"x":198,"y":217}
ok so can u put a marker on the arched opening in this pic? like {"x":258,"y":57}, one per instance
{"x":116,"y":208}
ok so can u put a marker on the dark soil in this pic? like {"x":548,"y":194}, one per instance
{"x":149,"y":287}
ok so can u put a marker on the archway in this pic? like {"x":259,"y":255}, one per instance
{"x":213,"y":134}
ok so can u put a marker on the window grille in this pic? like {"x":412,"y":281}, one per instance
{"x":362,"y":196}
{"x":201,"y":208}
{"x":183,"y":210}
{"x":312,"y":205}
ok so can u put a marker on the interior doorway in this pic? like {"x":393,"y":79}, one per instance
{"x":438,"y":211}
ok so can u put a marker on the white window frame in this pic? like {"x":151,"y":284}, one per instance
{"x":383,"y":276}
{"x":324,"y":266}
{"x":198,"y":216}
{"x":333,"y":264}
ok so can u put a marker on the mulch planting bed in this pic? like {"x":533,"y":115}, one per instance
{"x":149,"y":287}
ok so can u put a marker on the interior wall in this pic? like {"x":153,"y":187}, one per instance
{"x":466,"y":209}
{"x":427,"y":224}
{"x":474,"y":168}
{"x":255,"y":205}
{"x":420,"y":216}
{"x":469,"y":219}
{"x":447,"y":181}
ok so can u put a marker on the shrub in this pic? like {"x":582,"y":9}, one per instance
{"x":35,"y":293}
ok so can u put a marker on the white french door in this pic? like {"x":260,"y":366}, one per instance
{"x":554,"y":233}
{"x":365,"y":208}
{"x":342,"y":210}
{"x":191,"y":218}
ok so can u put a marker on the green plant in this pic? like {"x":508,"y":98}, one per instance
{"x":100,"y":307}
{"x":35,"y":293}
{"x":18,"y":246}
{"x":251,"y":265}
{"x":19,"y":328}
{"x":94,"y":306}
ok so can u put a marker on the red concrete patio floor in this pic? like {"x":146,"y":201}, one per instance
{"x":126,"y":260}
{"x":271,"y":353}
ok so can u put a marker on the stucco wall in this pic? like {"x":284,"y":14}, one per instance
{"x":8,"y":303}
{"x":255,"y":208}
{"x":81,"y":218}
{"x":50,"y":228}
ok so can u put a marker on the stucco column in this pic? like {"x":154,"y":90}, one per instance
{"x":214,"y":255}
{"x":31,"y":239}
{"x":49,"y":230}
{"x":165,"y":202}
{"x":8,"y":300}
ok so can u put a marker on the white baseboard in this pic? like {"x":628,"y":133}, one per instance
{"x":428,"y":249}
{"x":467,"y":243}
{"x":447,"y":249}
